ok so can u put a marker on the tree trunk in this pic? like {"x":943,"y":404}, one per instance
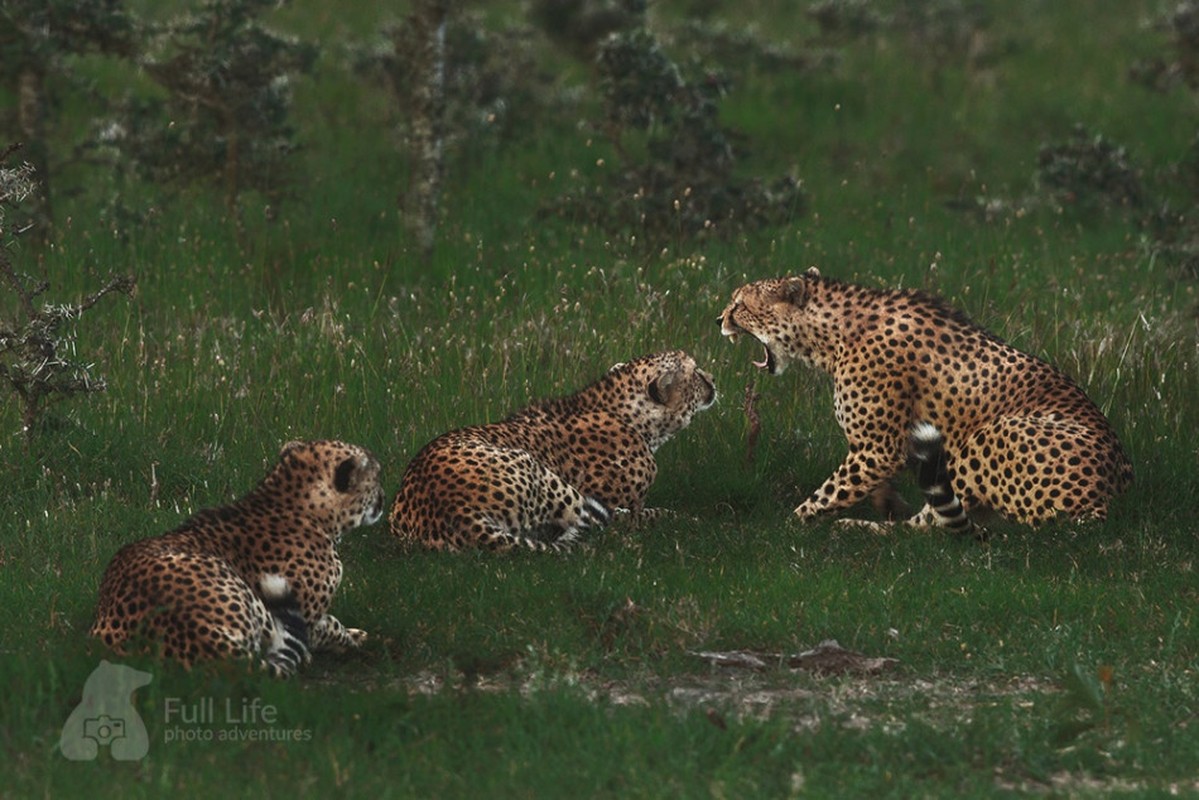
{"x":31,"y":117}
{"x":428,"y":123}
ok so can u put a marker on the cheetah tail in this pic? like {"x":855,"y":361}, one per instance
{"x":932,"y":476}
{"x":287,"y":647}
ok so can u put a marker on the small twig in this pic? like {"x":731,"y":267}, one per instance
{"x":24,"y":295}
{"x":154,"y":484}
{"x":124,"y":284}
{"x":755,"y":422}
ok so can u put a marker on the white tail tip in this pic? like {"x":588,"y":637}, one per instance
{"x":926,"y":432}
{"x":274,"y":587}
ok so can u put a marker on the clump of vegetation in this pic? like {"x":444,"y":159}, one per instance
{"x":225,"y":117}
{"x":675,"y":172}
{"x":944,"y":33}
{"x":492,"y":81}
{"x":1085,"y":706}
{"x":38,"y":39}
{"x":579,"y":26}
{"x":1174,"y":227}
{"x":740,"y":49}
{"x":1090,"y":170}
{"x":1091,"y":173}
{"x":1181,"y":25}
{"x":846,"y":20}
{"x":38,"y":359}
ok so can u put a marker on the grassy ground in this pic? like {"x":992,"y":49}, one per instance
{"x":1061,"y":660}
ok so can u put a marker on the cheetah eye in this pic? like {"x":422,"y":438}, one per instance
{"x":341,"y":476}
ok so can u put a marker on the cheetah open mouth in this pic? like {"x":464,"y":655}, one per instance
{"x":733,"y":331}
{"x":768,"y":361}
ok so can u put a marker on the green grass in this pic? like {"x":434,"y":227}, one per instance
{"x":1061,"y":660}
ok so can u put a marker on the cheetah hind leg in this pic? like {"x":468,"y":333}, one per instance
{"x":636,"y":517}
{"x":330,"y":634}
{"x":584,"y":514}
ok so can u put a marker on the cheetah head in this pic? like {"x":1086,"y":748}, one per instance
{"x":659,"y":394}
{"x":772,"y":311}
{"x":336,"y":482}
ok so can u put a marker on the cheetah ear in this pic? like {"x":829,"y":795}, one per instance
{"x":290,"y":446}
{"x":344,"y":472}
{"x":660,"y":388}
{"x":812,"y":272}
{"x":795,"y":290}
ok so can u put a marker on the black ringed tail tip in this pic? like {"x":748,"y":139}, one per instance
{"x":932,"y":476}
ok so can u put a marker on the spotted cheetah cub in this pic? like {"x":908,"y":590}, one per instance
{"x":253,"y":580}
{"x":549,"y":471}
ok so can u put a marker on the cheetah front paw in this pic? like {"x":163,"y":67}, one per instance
{"x":804,"y":512}
{"x":880,"y":528}
{"x":330,"y":634}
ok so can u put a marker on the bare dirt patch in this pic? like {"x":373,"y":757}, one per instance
{"x":827,"y":684}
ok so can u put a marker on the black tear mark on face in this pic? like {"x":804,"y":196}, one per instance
{"x":341,"y":477}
